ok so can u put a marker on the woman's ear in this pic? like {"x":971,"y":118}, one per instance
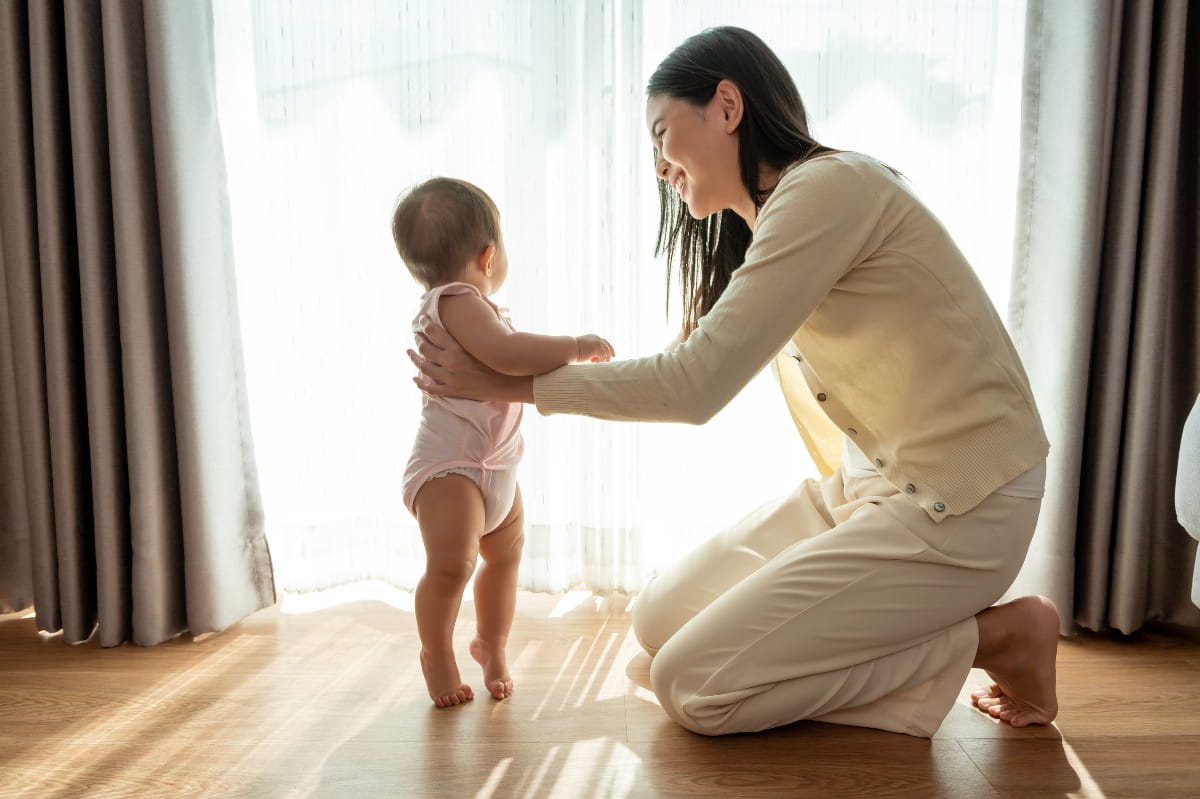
{"x":485,"y":259}
{"x":728,"y":98}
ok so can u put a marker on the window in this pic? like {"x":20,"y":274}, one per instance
{"x":330,"y":109}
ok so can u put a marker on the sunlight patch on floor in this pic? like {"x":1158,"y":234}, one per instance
{"x":638,"y":692}
{"x":494,"y":779}
{"x":570,"y":601}
{"x":1088,"y":789}
{"x":537,"y":713}
{"x":599,"y":765}
{"x":367,"y":591}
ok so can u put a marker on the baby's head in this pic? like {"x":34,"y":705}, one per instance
{"x":448,"y":230}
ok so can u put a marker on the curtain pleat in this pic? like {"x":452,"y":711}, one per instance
{"x":61,"y":329}
{"x":16,"y":574}
{"x":156,"y":546}
{"x":27,"y":392}
{"x":101,"y":328}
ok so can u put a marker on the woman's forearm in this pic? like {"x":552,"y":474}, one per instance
{"x":516,"y":389}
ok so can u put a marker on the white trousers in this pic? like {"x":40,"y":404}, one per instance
{"x":841,"y":602}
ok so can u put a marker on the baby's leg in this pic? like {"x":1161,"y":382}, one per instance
{"x":450,"y":512}
{"x":496,"y":598}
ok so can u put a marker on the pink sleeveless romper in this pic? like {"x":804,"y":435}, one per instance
{"x":481,"y":440}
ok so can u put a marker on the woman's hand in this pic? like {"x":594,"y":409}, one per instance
{"x":447,"y":370}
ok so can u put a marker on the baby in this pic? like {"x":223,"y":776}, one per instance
{"x":461,"y":480}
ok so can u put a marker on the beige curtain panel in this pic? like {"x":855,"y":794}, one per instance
{"x":1105,"y":300}
{"x":129,"y":501}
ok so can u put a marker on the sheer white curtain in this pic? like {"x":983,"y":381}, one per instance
{"x":329,"y":109}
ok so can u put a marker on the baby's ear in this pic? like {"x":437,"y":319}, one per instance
{"x":484,"y":261}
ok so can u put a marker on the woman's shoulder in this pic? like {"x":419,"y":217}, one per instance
{"x":833,"y":180}
{"x":841,"y":163}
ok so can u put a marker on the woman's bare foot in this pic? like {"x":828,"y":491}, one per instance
{"x":495,"y":667}
{"x":1018,"y":645}
{"x":445,"y":686}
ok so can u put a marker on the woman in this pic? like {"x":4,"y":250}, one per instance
{"x":865,"y":597}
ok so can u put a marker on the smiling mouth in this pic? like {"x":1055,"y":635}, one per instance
{"x":679,"y":185}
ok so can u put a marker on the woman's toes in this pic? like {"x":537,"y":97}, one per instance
{"x":983,"y":697}
{"x":985,"y":702}
{"x":1022,"y":719}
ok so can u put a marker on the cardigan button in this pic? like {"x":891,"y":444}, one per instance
{"x":821,"y":397}
{"x":939,"y":506}
{"x":798,"y":359}
{"x":878,"y":462}
{"x":910,"y":489}
{"x":852,"y":431}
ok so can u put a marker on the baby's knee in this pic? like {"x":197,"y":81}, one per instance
{"x":502,"y":552}
{"x":449,"y":570}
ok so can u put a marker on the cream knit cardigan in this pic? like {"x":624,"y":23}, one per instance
{"x":895,"y":338}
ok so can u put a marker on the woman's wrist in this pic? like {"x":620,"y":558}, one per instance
{"x":518,"y":388}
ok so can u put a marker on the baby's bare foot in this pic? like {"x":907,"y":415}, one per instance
{"x":495,"y":667}
{"x":1022,"y":662}
{"x":445,"y":686}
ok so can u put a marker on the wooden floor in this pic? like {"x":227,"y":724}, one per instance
{"x":303,"y":700}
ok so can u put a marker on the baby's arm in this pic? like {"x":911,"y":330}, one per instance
{"x":480,"y":332}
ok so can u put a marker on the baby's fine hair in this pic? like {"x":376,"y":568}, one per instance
{"x":439,"y":225}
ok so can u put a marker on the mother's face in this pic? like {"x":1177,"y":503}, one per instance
{"x":696,"y":148}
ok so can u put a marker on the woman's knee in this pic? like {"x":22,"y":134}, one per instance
{"x":675,"y":682}
{"x":648,"y":626}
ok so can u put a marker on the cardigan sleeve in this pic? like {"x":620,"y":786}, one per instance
{"x":821,"y":220}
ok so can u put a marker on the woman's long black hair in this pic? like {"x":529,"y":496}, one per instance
{"x":773,"y":130}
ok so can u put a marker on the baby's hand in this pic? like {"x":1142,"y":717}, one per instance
{"x":593,"y":349}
